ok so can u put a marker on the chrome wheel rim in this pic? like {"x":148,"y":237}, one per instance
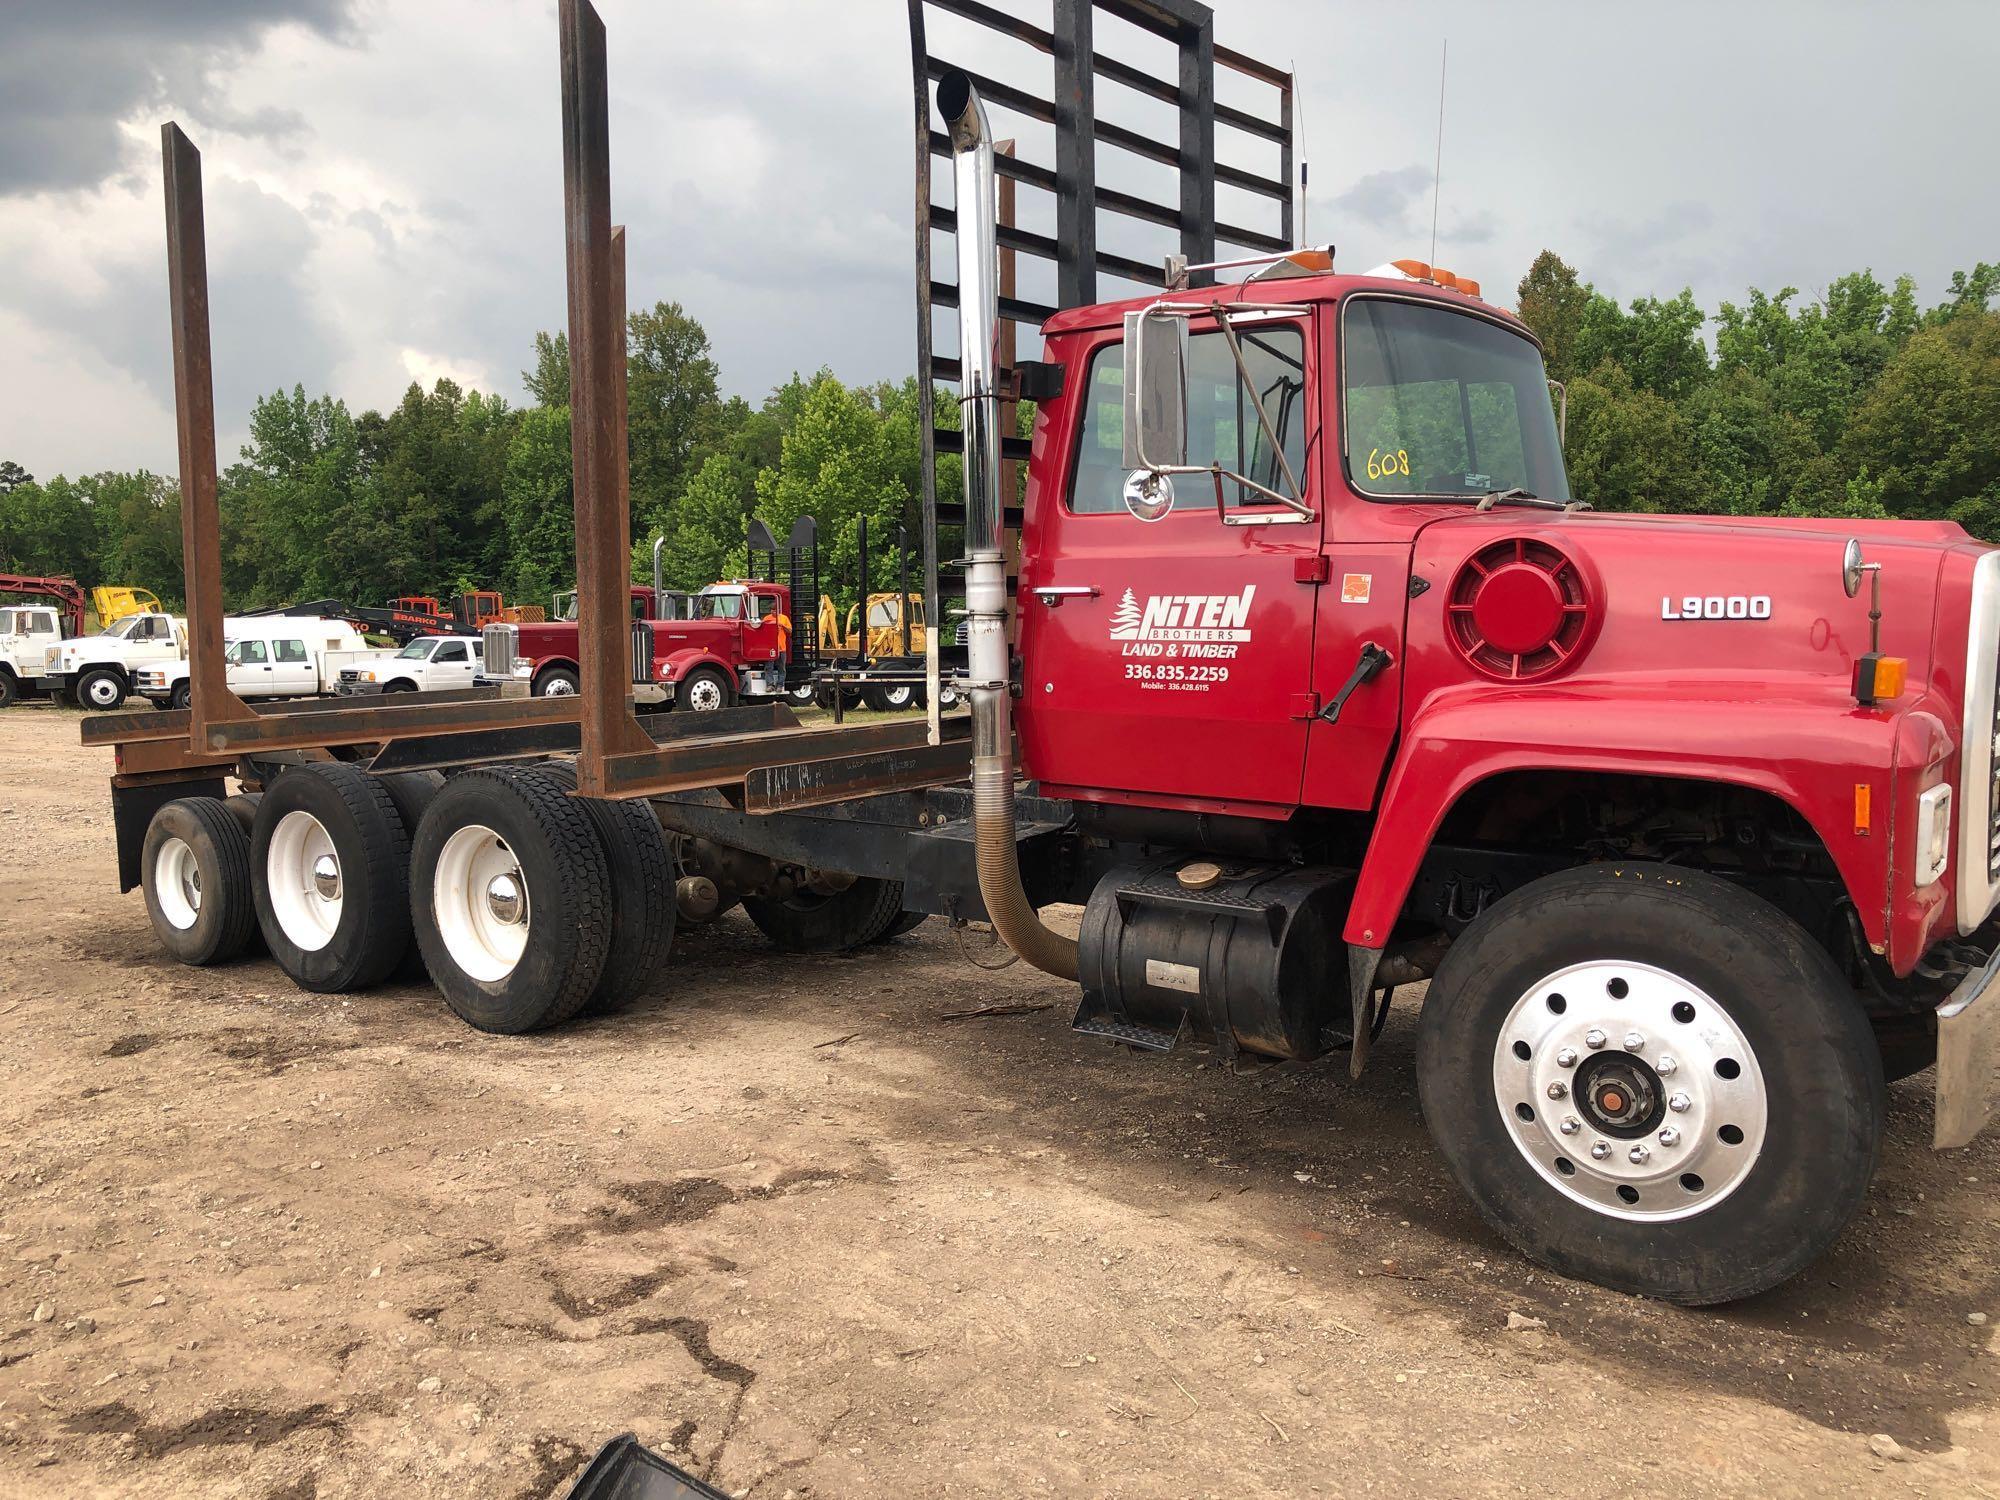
{"x":177,"y":883}
{"x":558,"y":687}
{"x":480,"y":899}
{"x":1630,"y":1090}
{"x":704,"y":695}
{"x":302,"y":874}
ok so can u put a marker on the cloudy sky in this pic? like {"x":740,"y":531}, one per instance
{"x":384,"y":179}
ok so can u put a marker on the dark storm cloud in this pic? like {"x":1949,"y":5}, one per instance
{"x":72,"y":71}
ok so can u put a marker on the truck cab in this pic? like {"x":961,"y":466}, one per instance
{"x":95,"y":671}
{"x":26,"y":633}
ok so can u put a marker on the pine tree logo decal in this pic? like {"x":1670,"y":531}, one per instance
{"x":1125,"y":618}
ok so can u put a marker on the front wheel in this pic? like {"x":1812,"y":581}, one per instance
{"x":556,"y":682}
{"x":702,"y":691}
{"x":1653,"y":1080}
{"x":181,"y":696}
{"x":101,"y":690}
{"x":10,"y":688}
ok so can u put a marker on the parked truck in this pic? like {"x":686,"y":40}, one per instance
{"x":1324,"y":684}
{"x":429,"y":664}
{"x":732,"y":642}
{"x":276,"y":656}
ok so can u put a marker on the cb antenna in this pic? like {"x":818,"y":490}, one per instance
{"x":1437,"y":166}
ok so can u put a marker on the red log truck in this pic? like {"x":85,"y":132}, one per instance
{"x":1325,"y":684}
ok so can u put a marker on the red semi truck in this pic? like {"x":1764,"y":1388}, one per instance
{"x":730,"y":643}
{"x":1325,"y":684}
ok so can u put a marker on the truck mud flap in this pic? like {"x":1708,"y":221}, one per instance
{"x":626,"y":1470}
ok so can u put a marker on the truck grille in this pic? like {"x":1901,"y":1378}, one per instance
{"x":349,"y":676}
{"x":1979,"y":753}
{"x":497,"y":649}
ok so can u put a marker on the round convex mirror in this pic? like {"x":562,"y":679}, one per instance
{"x":1149,"y":496}
{"x":1851,"y":567}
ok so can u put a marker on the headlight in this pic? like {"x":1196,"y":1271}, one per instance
{"x":1933,"y":834}
{"x":367,"y":676}
{"x":524,"y":666}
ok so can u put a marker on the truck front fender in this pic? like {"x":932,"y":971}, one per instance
{"x":677,"y":664}
{"x":1797,"y":742}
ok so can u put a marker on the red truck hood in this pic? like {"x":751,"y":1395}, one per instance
{"x":1712,"y":599}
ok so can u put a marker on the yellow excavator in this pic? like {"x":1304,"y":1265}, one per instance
{"x":114,"y":604}
{"x":885,"y":627}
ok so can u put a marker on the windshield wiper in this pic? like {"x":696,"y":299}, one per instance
{"x":1518,"y":496}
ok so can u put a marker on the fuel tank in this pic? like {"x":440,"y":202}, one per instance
{"x":1248,"y":956}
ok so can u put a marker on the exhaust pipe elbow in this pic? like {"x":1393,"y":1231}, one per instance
{"x":964,"y":116}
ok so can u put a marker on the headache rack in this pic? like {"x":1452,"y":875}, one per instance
{"x":754,"y":751}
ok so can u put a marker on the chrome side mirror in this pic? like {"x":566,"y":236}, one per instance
{"x":1149,"y":496}
{"x":1156,"y":391}
{"x":1851,"y":567}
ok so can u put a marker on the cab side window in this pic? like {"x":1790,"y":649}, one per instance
{"x":1222,"y":420}
{"x":289,"y":651}
{"x":450,"y":651}
{"x":250,"y":653}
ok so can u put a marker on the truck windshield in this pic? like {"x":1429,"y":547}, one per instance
{"x":719,"y":607}
{"x":416,"y":650}
{"x":1443,"y":403}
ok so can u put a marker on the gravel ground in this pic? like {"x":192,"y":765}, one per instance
{"x":799,"y":1231}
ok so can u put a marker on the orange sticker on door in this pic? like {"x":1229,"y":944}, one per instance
{"x":1354,"y":587}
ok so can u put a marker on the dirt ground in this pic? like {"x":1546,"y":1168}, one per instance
{"x":793,"y":1227}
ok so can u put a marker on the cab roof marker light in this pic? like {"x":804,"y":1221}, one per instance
{"x":1306,"y":260}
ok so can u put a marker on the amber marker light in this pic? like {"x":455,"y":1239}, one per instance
{"x":1864,"y":811}
{"x":1878,"y":679}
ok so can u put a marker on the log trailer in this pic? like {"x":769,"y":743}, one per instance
{"x":1323,"y":685}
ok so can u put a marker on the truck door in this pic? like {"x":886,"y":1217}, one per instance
{"x":451,"y":667}
{"x":250,"y":674}
{"x":1170,"y":658}
{"x":292,"y":670}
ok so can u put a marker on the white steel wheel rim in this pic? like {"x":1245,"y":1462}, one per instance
{"x":103,"y":692}
{"x":177,"y":883}
{"x":480,"y":898}
{"x":306,"y":884}
{"x":704,"y":695}
{"x":1608,"y":1032}
{"x":898,"y":696}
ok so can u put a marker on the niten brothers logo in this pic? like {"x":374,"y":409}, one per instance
{"x":1170,"y":631}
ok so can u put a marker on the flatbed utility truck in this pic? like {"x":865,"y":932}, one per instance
{"x":1323,"y":684}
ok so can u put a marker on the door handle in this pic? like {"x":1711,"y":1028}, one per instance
{"x":1372,"y":662}
{"x":1053,"y":594}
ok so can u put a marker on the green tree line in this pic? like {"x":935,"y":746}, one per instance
{"x":1857,"y":402}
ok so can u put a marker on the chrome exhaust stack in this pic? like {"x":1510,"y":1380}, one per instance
{"x":974,"y":193}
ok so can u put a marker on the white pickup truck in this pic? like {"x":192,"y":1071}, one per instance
{"x":26,"y":633}
{"x":429,"y":664}
{"x":267,"y":656}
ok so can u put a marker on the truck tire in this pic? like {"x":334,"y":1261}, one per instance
{"x":10,"y":688}
{"x":643,"y":909}
{"x":556,"y":682}
{"x":802,"y":694}
{"x":893,"y":697}
{"x":1652,"y":1079}
{"x":510,"y":895}
{"x":243,"y":808}
{"x":705,"y":690}
{"x":195,"y":872}
{"x":329,"y":862}
{"x":909,"y":921}
{"x":101,"y":689}
{"x":181,"y":696}
{"x":828,"y":922}
{"x":412,"y":792}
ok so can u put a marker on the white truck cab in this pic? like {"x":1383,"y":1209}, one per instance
{"x":96,"y":670}
{"x":429,"y":664}
{"x":26,"y":633}
{"x":267,"y":656}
